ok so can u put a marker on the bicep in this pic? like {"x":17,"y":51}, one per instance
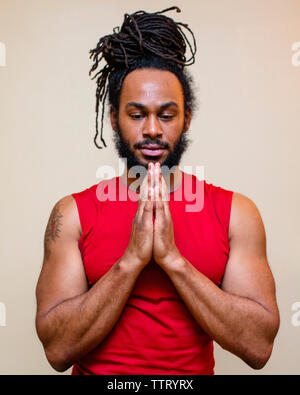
{"x":62,"y":276}
{"x":248,"y":273}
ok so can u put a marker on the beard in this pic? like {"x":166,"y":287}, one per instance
{"x":173,"y":159}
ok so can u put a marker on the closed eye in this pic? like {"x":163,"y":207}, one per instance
{"x":136,"y":116}
{"x":166,"y":117}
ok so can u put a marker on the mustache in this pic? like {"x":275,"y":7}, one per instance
{"x":162,"y":144}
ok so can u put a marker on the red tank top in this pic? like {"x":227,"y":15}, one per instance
{"x":156,"y":333}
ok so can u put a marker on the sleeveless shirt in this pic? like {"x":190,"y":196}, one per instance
{"x":155,"y":333}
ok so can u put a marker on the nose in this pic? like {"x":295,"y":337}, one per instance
{"x":152,"y":127}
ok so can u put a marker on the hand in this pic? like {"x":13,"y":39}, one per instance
{"x":164,"y":248}
{"x":140,"y":245}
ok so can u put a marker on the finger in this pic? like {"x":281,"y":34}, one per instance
{"x":143,"y":193}
{"x":157,"y":192}
{"x":156,"y":183}
{"x":147,"y":214}
{"x":150,"y":181}
{"x":160,"y":185}
{"x":146,"y":184}
{"x":164,"y":196}
{"x":143,"y":196}
{"x":164,"y":191}
{"x":148,"y":195}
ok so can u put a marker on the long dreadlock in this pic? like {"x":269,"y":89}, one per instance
{"x":142,"y":34}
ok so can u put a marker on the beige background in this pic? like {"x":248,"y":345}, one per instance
{"x":245,"y":134}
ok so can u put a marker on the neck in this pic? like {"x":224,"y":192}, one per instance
{"x":172,"y":179}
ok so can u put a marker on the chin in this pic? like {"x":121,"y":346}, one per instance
{"x":144,"y":161}
{"x":161,"y":159}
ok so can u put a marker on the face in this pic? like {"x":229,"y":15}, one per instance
{"x":151,"y":123}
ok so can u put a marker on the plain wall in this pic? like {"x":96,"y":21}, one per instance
{"x":245,"y":134}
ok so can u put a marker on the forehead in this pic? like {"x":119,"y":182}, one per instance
{"x":151,"y":86}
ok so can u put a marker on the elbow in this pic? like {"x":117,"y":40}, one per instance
{"x":258,"y":360}
{"x":58,"y":361}
{"x":257,"y":364}
{"x":55,"y":353}
{"x":256,"y":356}
{"x":262,"y":356}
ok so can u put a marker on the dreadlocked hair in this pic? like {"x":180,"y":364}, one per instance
{"x":145,"y":40}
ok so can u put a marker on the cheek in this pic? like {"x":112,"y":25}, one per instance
{"x":174,"y":130}
{"x":130,"y":130}
{"x":124,"y":126}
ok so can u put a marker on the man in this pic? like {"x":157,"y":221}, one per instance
{"x":144,"y":286}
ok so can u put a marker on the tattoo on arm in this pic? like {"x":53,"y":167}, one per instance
{"x":53,"y":229}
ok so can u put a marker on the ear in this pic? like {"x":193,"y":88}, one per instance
{"x":187,"y":120}
{"x":113,"y":118}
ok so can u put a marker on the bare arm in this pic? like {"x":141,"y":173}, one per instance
{"x":242,"y":316}
{"x":71,"y":320}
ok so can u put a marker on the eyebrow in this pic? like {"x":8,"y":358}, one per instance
{"x":141,"y":106}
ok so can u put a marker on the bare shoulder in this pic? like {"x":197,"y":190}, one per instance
{"x":245,"y":220}
{"x":63,"y":222}
{"x":65,"y":210}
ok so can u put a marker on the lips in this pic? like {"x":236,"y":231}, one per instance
{"x":152,"y":150}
